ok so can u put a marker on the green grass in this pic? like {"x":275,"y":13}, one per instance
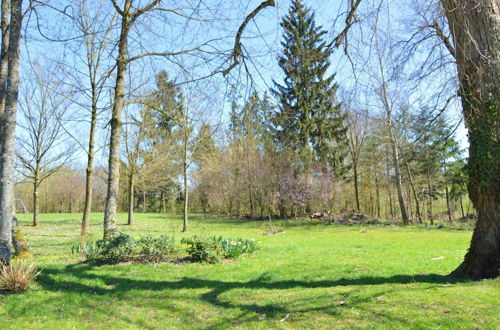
{"x":311,"y":276}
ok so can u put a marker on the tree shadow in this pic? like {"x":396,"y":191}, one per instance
{"x":75,"y":279}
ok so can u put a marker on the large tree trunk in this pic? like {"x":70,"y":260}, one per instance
{"x":3,"y":52}
{"x":475,"y":27}
{"x":114,"y":145}
{"x":8,"y":131}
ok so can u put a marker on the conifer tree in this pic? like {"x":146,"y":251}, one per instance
{"x":308,"y":120}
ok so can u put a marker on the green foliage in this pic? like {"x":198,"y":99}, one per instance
{"x":233,"y":248}
{"x":120,"y":247}
{"x":309,"y":120}
{"x":203,"y":249}
{"x":484,"y":148}
{"x":383,"y":277}
{"x":213,"y":249}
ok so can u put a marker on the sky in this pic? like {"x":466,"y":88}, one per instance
{"x":216,"y":27}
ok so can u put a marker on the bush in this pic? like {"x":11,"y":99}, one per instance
{"x":213,"y":249}
{"x":233,"y":248}
{"x":157,"y":249}
{"x":120,"y":247}
{"x":17,"y":277}
{"x":203,"y":249}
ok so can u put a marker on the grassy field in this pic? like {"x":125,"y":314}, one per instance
{"x":310,"y":276}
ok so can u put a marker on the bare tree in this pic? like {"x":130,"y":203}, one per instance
{"x":41,"y":149}
{"x":94,"y":25}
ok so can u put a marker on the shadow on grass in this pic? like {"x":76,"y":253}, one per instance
{"x":80,"y":279}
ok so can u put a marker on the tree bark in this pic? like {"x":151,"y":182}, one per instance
{"x":356,"y":188}
{"x":36,"y":208}
{"x":7,"y":131}
{"x":114,"y":145}
{"x":3,"y":52}
{"x":185,"y":188}
{"x":90,"y":167}
{"x":448,"y":207}
{"x":475,"y":27}
{"x":414,"y":192}
{"x":130,"y":199}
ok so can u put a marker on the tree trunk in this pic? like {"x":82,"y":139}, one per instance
{"x":429,"y":202}
{"x":36,"y":208}
{"x":185,"y":188}
{"x":130,"y":199}
{"x":475,"y":27}
{"x":377,"y":192}
{"x":356,"y":188}
{"x":4,"y":62}
{"x":90,"y":168}
{"x":461,"y":206}
{"x":414,"y":192}
{"x":448,"y":207}
{"x":144,"y":205}
{"x":397,"y":174}
{"x":7,"y":131}
{"x":114,"y":145}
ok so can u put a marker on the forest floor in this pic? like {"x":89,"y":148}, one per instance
{"x":309,"y":276}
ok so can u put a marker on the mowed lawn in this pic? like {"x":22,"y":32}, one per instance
{"x":310,"y":276}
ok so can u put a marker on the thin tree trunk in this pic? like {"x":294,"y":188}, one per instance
{"x":414,"y":192}
{"x":429,"y":202}
{"x":378,"y":195}
{"x":90,"y":168}
{"x":114,"y":145}
{"x":130,"y":199}
{"x":7,"y":131}
{"x":36,"y":211}
{"x":144,"y":205}
{"x":356,"y":188}
{"x":185,"y":188}
{"x":450,"y":216}
{"x":475,"y":27}
{"x":461,"y":206}
{"x":398,"y":177}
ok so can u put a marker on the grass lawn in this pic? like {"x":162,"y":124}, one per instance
{"x":311,"y":276}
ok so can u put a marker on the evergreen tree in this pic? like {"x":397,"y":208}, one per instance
{"x":308,"y":121}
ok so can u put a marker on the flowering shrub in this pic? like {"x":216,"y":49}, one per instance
{"x":233,"y":248}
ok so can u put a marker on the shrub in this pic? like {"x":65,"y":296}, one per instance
{"x":233,"y":248}
{"x":120,"y":247}
{"x":17,"y":277}
{"x":157,"y":249}
{"x":203,"y":249}
{"x":213,"y":249}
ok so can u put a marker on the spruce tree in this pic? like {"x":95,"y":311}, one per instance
{"x":308,"y":121}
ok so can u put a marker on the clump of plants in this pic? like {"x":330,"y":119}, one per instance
{"x":213,"y":249}
{"x":17,"y":277}
{"x":120,"y":247}
{"x":203,"y":249}
{"x":233,"y":248}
